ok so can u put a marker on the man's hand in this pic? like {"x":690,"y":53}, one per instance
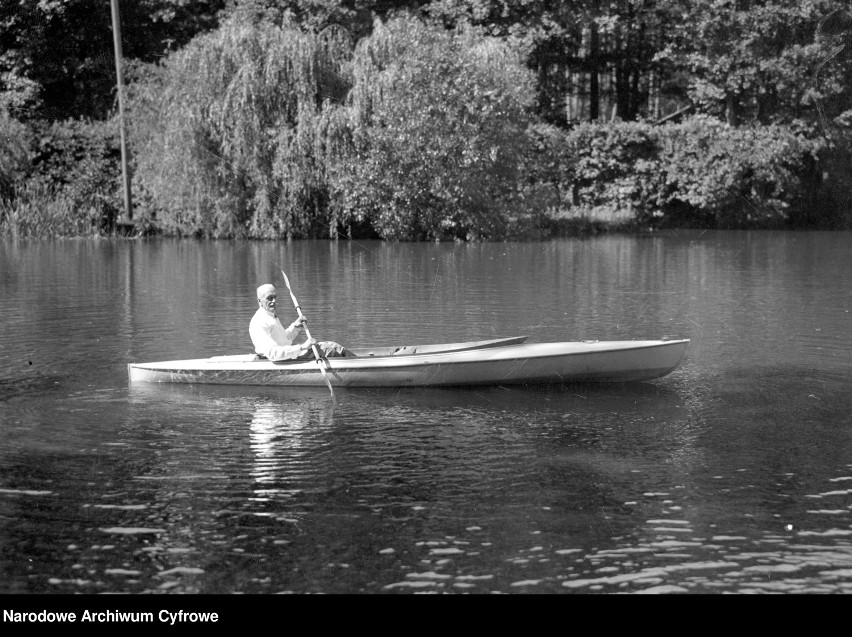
{"x":308,"y":343}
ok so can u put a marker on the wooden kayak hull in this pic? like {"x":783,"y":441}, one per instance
{"x":519,"y":363}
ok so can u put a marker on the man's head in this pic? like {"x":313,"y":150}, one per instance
{"x":266,"y":297}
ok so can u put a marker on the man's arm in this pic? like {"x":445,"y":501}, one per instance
{"x":265,"y":344}
{"x":287,"y":352}
{"x":292,"y":330}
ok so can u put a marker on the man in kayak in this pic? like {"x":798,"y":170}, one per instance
{"x":275,"y":342}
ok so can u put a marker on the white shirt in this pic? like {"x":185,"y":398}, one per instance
{"x":271,"y":339}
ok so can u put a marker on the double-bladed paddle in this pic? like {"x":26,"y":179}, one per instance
{"x":319,"y":358}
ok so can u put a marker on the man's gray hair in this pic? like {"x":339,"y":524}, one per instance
{"x":264,"y":289}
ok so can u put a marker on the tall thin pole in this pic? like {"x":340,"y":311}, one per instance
{"x":125,"y":170}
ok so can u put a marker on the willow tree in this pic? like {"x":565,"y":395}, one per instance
{"x":229,"y":133}
{"x":438,"y":124}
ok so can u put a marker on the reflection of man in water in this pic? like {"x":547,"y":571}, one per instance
{"x":276,"y":343}
{"x":275,"y":430}
{"x":282,"y":438}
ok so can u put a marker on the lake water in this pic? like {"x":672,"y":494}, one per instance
{"x":731,"y":475}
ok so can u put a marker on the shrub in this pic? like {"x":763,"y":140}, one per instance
{"x":735,"y":177}
{"x":698,"y":172}
{"x":59,"y":179}
{"x":616,"y":169}
{"x":80,"y":162}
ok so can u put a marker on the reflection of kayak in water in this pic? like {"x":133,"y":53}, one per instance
{"x":478,"y":363}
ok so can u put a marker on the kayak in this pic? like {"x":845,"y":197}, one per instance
{"x":494,"y":362}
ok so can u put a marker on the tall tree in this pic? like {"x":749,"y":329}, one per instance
{"x":439,"y":120}
{"x":57,"y":56}
{"x":749,"y":60}
{"x":593,"y":58}
{"x":833,"y":74}
{"x":230,"y":132}
{"x":356,"y":16}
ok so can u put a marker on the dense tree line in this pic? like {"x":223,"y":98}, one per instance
{"x":426,"y":120}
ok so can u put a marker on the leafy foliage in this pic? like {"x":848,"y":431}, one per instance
{"x":438,"y":125}
{"x":229,"y":132}
{"x":80,"y":160}
{"x":616,"y":168}
{"x":277,"y":125}
{"x":356,"y":16}
{"x":59,"y":179}
{"x":738,"y":177}
{"x":700,"y":172}
{"x":57,"y":57}
{"x":752,"y":61}
{"x":267,"y":131}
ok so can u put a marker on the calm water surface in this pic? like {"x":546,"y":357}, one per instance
{"x":732,"y":474}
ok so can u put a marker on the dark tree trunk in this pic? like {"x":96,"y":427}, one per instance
{"x":594,"y":81}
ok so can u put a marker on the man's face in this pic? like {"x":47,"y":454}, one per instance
{"x":267,"y":301}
